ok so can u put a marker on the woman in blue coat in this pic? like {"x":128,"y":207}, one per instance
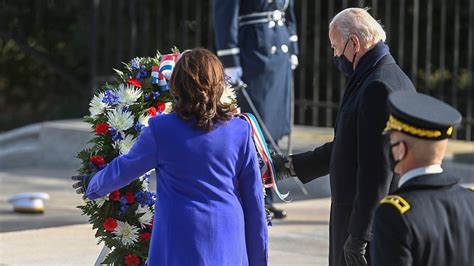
{"x":209,"y":208}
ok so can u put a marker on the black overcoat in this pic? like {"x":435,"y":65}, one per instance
{"x":356,"y":159}
{"x":436,"y":229}
{"x":246,"y":38}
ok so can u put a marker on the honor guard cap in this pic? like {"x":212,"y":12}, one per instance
{"x":422,"y":116}
{"x":28,"y":202}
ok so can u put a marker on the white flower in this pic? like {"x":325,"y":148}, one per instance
{"x":100,"y":201}
{"x":120,"y":120}
{"x":228,"y":96}
{"x":143,"y":119}
{"x":145,"y":179}
{"x":125,"y":144}
{"x":147,"y":216}
{"x":128,"y":95}
{"x":168,"y":108}
{"x":126,"y":233}
{"x":96,"y":106}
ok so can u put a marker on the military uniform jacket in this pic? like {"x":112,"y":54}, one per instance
{"x":355,"y":159}
{"x":429,"y":220}
{"x":260,"y":36}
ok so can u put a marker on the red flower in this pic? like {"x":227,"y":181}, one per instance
{"x":145,"y":236}
{"x":132,"y":260}
{"x":130,"y":197}
{"x":135,"y":83}
{"x":160,"y":107}
{"x":151,"y":111}
{"x":115,"y":196}
{"x":110,"y":224}
{"x":98,"y":161}
{"x":102,"y":129}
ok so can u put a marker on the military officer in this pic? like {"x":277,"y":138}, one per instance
{"x":429,"y":219}
{"x":256,"y":41}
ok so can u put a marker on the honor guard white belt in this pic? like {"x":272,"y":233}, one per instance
{"x":273,"y":18}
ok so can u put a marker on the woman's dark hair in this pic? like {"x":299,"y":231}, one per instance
{"x":198,"y":82}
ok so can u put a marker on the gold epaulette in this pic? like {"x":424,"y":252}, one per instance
{"x":400,"y":203}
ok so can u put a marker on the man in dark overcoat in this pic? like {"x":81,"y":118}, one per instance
{"x":257,"y":43}
{"x":429,"y":219}
{"x":355,"y":160}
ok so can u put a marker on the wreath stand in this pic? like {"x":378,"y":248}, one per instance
{"x":103,"y":253}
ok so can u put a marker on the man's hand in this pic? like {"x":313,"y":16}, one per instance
{"x":294,"y":61}
{"x":354,"y":251}
{"x":234,"y":74}
{"x":283,"y":165}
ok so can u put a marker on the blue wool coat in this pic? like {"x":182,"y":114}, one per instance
{"x":209,"y":208}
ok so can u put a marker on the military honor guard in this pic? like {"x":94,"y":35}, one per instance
{"x":256,"y":41}
{"x":429,"y":219}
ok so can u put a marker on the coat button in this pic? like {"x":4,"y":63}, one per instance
{"x":280,"y":23}
{"x":271,"y":24}
{"x":273,"y":50}
{"x":284,"y":48}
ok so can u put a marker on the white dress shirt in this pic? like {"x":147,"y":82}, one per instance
{"x":426,"y":170}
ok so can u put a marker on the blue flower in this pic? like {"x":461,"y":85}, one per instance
{"x":156,"y":94}
{"x":115,"y":134}
{"x":123,"y":201}
{"x":138,"y":127}
{"x":145,"y":198}
{"x":123,"y":209}
{"x":147,"y":97}
{"x":110,"y":98}
{"x":135,"y":63}
{"x":142,"y":73}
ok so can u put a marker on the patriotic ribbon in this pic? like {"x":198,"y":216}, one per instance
{"x":165,"y":70}
{"x":155,"y":73}
{"x":267,"y":169}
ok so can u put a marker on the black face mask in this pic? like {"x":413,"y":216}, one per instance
{"x":393,"y":163}
{"x":344,"y":65}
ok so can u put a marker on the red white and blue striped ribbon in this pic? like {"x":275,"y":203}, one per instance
{"x":267,"y":169}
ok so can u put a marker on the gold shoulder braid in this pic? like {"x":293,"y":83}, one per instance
{"x":396,"y":124}
{"x":400,"y":203}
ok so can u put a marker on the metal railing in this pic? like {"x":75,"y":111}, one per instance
{"x":432,"y":40}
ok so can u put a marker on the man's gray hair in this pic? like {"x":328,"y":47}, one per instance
{"x":359,"y":22}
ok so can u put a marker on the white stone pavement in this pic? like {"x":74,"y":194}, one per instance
{"x":301,"y":239}
{"x":61,"y":236}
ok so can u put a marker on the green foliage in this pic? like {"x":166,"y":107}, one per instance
{"x":122,"y":206}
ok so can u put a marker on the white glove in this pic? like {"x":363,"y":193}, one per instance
{"x":294,"y":61}
{"x":234,"y":73}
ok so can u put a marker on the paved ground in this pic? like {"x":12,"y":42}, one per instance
{"x":61,"y":236}
{"x":60,"y":210}
{"x":302,"y":239}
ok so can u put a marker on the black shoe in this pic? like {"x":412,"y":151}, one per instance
{"x":277,"y":214}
